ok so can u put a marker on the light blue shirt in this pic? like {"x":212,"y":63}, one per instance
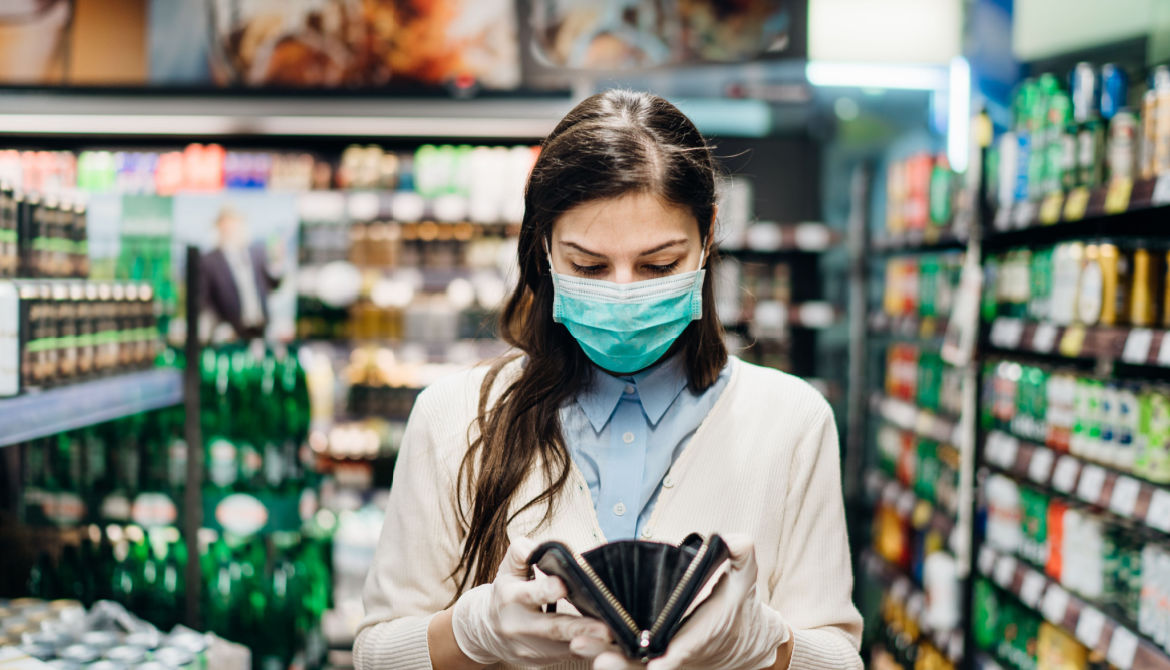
{"x":624,"y":433}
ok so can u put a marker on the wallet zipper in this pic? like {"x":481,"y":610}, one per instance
{"x":609,"y":597}
{"x":644,"y":636}
{"x":673,"y":600}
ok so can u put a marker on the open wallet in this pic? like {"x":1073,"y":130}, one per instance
{"x":644,"y":591}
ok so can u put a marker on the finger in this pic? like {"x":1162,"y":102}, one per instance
{"x":566,"y":627}
{"x":588,"y":646}
{"x":537,"y":592}
{"x":612,"y":660}
{"x":515,"y":562}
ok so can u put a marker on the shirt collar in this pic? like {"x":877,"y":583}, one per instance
{"x":657,"y":387}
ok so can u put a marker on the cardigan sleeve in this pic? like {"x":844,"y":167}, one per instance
{"x":409,"y":580}
{"x":814,"y":589}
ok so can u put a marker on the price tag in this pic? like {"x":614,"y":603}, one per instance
{"x":1005,"y":571}
{"x":1055,"y":604}
{"x":1040,"y":467}
{"x":1092,"y":481}
{"x":1076,"y":203}
{"x":1161,"y":195}
{"x":1137,"y":346}
{"x":1073,"y":341}
{"x":1007,"y":332}
{"x":1164,"y":351}
{"x":1032,"y":588}
{"x":986,"y":560}
{"x":1044,"y":338}
{"x":1125,"y":495}
{"x":1158,"y":515}
{"x":1089,"y":627}
{"x":1122,"y":648}
{"x":1003,"y":216}
{"x":1050,"y":208}
{"x":1064,"y":477}
{"x":1117,"y":197}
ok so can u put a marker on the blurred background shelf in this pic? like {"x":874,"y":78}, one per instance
{"x":52,"y":411}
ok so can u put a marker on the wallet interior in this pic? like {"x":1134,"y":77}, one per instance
{"x":641,"y":590}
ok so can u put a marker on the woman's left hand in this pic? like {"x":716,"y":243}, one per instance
{"x":733,"y":630}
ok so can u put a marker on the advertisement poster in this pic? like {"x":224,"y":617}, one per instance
{"x":280,"y":44}
{"x":248,"y":261}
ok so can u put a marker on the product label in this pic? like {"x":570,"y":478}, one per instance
{"x":1158,"y":514}
{"x":1040,"y":467}
{"x":1055,"y":604}
{"x":1091,"y":484}
{"x":1125,"y":496}
{"x":1122,"y":648}
{"x":1064,"y":477}
{"x":151,"y":510}
{"x":1137,"y":346}
{"x":241,"y":514}
{"x":222,"y":469}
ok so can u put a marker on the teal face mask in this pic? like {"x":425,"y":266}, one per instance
{"x":624,"y":328}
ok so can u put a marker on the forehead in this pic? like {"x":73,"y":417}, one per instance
{"x":633,"y":218}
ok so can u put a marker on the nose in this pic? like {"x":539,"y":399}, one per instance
{"x":623,"y":273}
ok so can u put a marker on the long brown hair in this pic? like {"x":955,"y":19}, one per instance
{"x":611,"y":144}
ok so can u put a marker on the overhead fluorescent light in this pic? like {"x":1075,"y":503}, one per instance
{"x":877,"y":75}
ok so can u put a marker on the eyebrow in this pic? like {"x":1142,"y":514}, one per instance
{"x":661,"y":247}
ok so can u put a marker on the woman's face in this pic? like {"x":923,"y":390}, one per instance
{"x":625,"y":239}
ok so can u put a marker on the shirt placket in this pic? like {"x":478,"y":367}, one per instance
{"x":626,"y":464}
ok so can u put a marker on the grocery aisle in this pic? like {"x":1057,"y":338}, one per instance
{"x":236,"y":245}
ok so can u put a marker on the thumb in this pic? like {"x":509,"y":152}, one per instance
{"x":515,"y":562}
{"x":742,"y":550}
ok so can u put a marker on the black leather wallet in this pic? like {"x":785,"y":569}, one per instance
{"x":642,"y":590}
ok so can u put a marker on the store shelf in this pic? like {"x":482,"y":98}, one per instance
{"x":931,"y":238}
{"x":1127,"y":207}
{"x":1126,"y":496}
{"x":911,"y":327}
{"x":217,"y":115}
{"x":923,"y":422}
{"x":905,"y":592}
{"x":36,"y":415}
{"x":922,"y":512}
{"x":1133,"y":346}
{"x":1123,"y":647}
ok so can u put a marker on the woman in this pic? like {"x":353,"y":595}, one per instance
{"x":622,"y":417}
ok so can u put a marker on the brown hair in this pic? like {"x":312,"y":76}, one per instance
{"x":611,"y":144}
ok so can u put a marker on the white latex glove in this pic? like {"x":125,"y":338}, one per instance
{"x":502,"y":622}
{"x":732,"y":630}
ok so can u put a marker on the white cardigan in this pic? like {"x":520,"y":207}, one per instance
{"x":764,"y":462}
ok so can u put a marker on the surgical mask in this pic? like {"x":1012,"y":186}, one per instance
{"x":624,"y":328}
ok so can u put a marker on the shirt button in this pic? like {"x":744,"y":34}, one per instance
{"x":668,"y":482}
{"x":646,"y":533}
{"x":628,"y":437}
{"x":619,"y":509}
{"x":630,"y":390}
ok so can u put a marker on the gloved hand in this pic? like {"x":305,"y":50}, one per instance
{"x":503,"y":622}
{"x":732,"y":630}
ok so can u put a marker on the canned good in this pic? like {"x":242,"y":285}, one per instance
{"x":64,"y":604}
{"x":52,"y":639}
{"x":126,"y":654}
{"x":80,"y":653}
{"x":175,"y":658}
{"x":62,"y":664}
{"x":101,"y":639}
{"x":148,"y":640}
{"x":42,"y":651}
{"x":25,"y":603}
{"x":1114,"y":90}
{"x":17,"y":629}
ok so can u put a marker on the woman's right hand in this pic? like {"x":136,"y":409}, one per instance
{"x":503,"y":621}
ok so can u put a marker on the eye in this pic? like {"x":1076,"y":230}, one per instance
{"x":661,"y":269}
{"x":588,"y":270}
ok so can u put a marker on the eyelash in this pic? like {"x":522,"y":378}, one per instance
{"x":590,"y":270}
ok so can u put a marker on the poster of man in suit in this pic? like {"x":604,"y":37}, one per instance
{"x":247,"y":262}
